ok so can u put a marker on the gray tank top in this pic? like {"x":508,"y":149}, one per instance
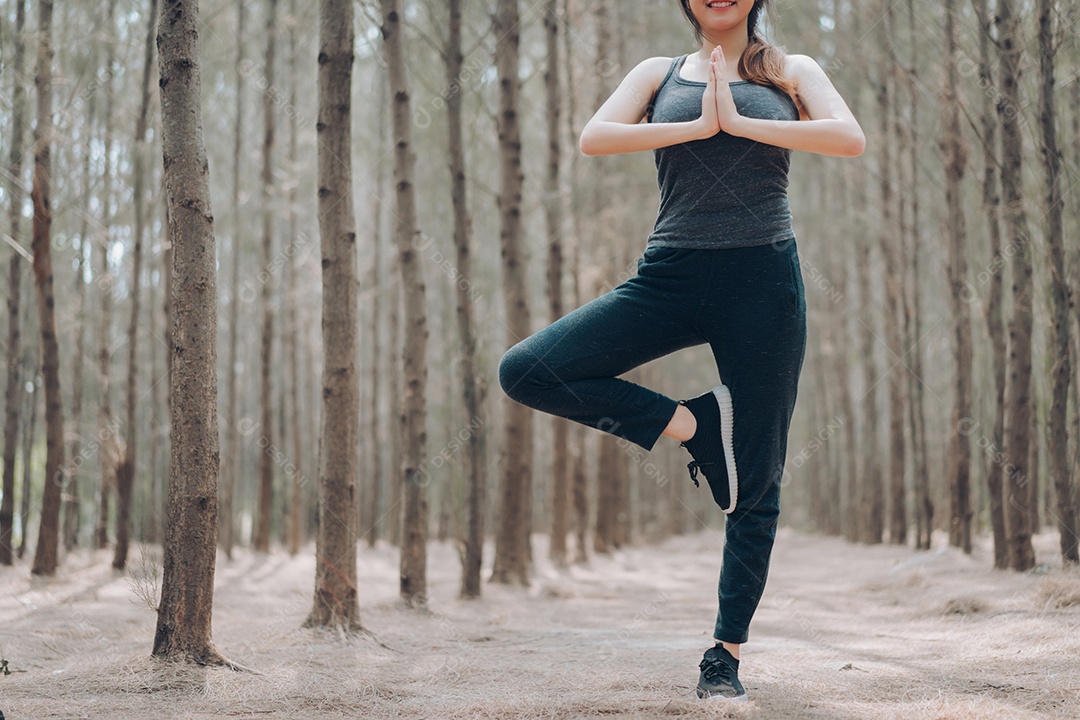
{"x":724,"y":191}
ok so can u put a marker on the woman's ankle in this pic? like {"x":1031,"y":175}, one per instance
{"x":683,"y":424}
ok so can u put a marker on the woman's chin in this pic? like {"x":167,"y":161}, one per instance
{"x":718,"y":27}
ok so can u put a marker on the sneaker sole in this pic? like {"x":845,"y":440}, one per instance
{"x":725,"y":698}
{"x":727,"y":431}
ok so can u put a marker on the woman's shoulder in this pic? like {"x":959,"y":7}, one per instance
{"x":658,"y":64}
{"x":649,"y":74}
{"x":800,"y":68}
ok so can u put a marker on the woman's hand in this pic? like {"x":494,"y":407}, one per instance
{"x":726,"y":112}
{"x":709,"y":122}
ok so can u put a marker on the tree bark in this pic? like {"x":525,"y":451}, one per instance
{"x":955,"y":158}
{"x":13,"y":396}
{"x":893,"y":290}
{"x":265,"y":503}
{"x":849,"y":506}
{"x":924,"y":507}
{"x":1034,"y":457}
{"x":335,"y":603}
{"x":1059,"y":348}
{"x":512,"y":543}
{"x":296,"y":501}
{"x":871,"y":488}
{"x":579,"y":471}
{"x":394,"y":511}
{"x":604,"y":529}
{"x":33,"y":399}
{"x":125,"y":473}
{"x":609,"y":479}
{"x":376,"y":286}
{"x":414,"y":474}
{"x":45,"y":556}
{"x":993,"y":305}
{"x":161,"y":471}
{"x":232,"y":432}
{"x":106,"y":285}
{"x":1074,"y":262}
{"x":187,"y":583}
{"x":1018,"y":407}
{"x":560,"y":465}
{"x":70,"y":529}
{"x":473,"y":386}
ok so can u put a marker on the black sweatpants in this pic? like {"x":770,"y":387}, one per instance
{"x":749,"y":305}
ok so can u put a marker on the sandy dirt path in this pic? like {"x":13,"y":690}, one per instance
{"x":843,"y":631}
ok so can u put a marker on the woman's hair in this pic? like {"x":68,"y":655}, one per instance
{"x":761,"y":62}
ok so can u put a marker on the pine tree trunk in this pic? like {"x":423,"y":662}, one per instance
{"x":924,"y":508}
{"x":70,"y":530}
{"x":125,"y":473}
{"x":1073,"y":486}
{"x":394,"y":511}
{"x":160,"y":491}
{"x":870,"y":490}
{"x":621,"y":527}
{"x":265,"y":503}
{"x":152,"y":516}
{"x":603,"y":531}
{"x":955,"y":158}
{"x":14,"y":190}
{"x":578,"y":471}
{"x":473,"y":387}
{"x":560,"y":465}
{"x":1018,"y":400}
{"x":335,"y":603}
{"x":1059,"y":348}
{"x":231,"y":464}
{"x":821,"y":500}
{"x":376,"y":287}
{"x":414,"y":475}
{"x":296,"y":477}
{"x":1034,"y":457}
{"x":167,"y":308}
{"x":888,"y":239}
{"x":33,"y":399}
{"x":105,"y":283}
{"x":45,"y":556}
{"x":993,"y":307}
{"x":187,"y":583}
{"x":512,"y":542}
{"x":849,"y":507}
{"x":608,"y":479}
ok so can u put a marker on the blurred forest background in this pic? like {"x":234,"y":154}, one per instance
{"x":938,"y":401}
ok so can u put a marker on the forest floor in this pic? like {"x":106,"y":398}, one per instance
{"x":843,"y":631}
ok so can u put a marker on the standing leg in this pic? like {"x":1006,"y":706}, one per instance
{"x":759,"y":342}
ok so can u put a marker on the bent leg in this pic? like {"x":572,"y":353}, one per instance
{"x":570,"y":368}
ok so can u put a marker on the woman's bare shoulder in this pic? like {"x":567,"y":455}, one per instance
{"x":804,"y":73}
{"x":800,"y":67}
{"x":653,"y":67}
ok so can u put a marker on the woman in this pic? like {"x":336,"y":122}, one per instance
{"x":720,"y":267}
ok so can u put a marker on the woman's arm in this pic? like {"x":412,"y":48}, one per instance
{"x":830,"y":130}
{"x":617,"y":128}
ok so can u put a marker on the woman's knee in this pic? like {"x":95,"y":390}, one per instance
{"x":517,"y":371}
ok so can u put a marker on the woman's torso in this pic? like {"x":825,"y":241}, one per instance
{"x":723,"y":191}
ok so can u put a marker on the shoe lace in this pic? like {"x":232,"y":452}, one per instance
{"x":716,"y":669}
{"x":693,"y":466}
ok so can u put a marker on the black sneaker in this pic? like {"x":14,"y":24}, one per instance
{"x":711,"y":447}
{"x":719,"y":678}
